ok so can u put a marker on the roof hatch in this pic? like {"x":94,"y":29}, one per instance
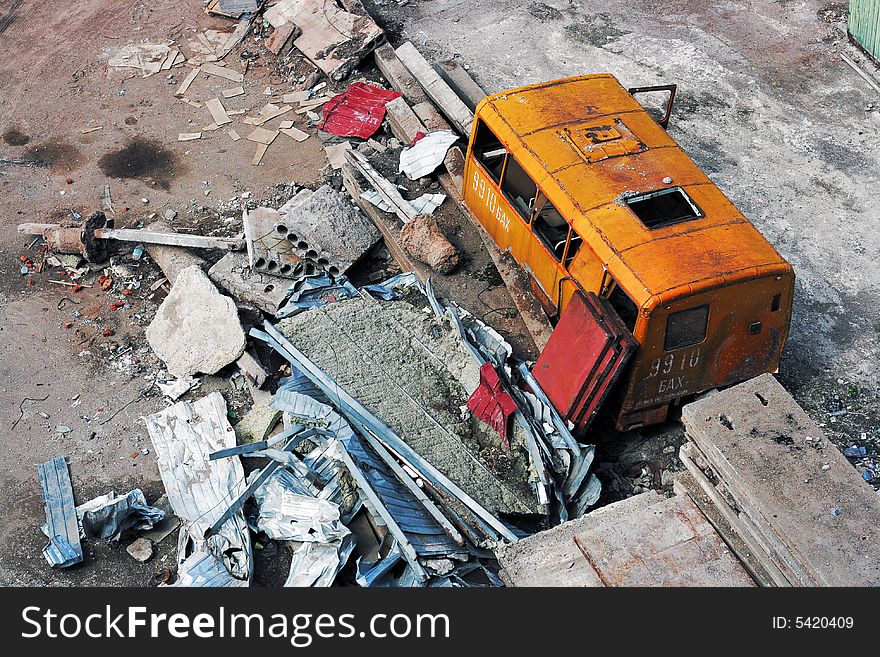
{"x":663,"y":208}
{"x":599,"y":141}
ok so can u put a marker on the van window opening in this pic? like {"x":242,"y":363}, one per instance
{"x":663,"y":208}
{"x":489,"y":151}
{"x":686,"y":327}
{"x":551,"y":229}
{"x":620,"y":301}
{"x":574,"y":243}
{"x":519,"y":188}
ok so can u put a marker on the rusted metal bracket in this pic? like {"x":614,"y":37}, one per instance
{"x":671,"y":88}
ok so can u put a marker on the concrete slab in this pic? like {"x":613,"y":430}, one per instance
{"x":790,"y":480}
{"x":656,"y":542}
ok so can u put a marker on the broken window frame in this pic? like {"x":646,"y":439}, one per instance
{"x":527,"y":212}
{"x":477,"y":152}
{"x":629,"y":200}
{"x":626,"y":308}
{"x":541,"y":201}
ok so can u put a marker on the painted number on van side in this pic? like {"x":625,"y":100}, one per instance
{"x":490,"y":200}
{"x":667,"y":363}
{"x":670,"y":374}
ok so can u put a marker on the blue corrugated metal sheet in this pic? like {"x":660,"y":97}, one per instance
{"x":62,"y":526}
{"x":864,"y":25}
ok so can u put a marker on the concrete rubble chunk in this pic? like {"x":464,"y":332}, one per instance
{"x":644,"y":540}
{"x":233,"y":274}
{"x":196,"y":329}
{"x":816,"y":518}
{"x":141,"y":549}
{"x":258,"y":422}
{"x":424,"y":240}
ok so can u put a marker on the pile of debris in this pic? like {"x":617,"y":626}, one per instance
{"x":395,"y":409}
{"x":389,"y":431}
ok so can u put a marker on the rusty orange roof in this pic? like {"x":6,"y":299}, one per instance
{"x":589,"y":144}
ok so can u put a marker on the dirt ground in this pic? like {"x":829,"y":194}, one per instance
{"x":765,"y":106}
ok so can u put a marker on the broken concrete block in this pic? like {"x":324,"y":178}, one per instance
{"x":315,"y":231}
{"x":233,"y":274}
{"x":257,"y":422}
{"x":196,"y":329}
{"x":424,"y":240}
{"x":141,"y":550}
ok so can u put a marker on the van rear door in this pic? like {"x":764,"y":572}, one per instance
{"x":585,"y":356}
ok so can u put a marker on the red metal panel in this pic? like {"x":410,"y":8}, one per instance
{"x":356,"y":112}
{"x":583,"y":359}
{"x":491,"y":403}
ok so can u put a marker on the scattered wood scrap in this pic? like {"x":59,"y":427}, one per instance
{"x":232,"y":93}
{"x":187,"y":81}
{"x":258,"y":155}
{"x":218,"y":112}
{"x":222,"y":72}
{"x":189,"y":136}
{"x":262,"y":136}
{"x":267,"y":113}
{"x":295,"y":133}
{"x":333,"y":39}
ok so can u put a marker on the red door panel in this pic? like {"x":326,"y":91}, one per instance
{"x":585,"y":356}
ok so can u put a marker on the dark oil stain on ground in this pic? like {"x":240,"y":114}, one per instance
{"x":142,"y":159}
{"x":15,"y":137}
{"x":9,"y":15}
{"x":56,"y":155}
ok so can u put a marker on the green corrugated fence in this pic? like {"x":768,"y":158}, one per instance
{"x":864,"y":24}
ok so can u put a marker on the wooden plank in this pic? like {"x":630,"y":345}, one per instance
{"x":403,"y":121}
{"x":449,"y":103}
{"x":218,"y":112}
{"x":295,"y":133}
{"x":189,"y":136}
{"x":552,"y":559}
{"x":187,"y":81}
{"x":232,"y":93}
{"x":262,"y":136}
{"x":222,"y":72}
{"x":775,"y":459}
{"x":233,"y":135}
{"x":398,"y":75}
{"x":668,"y":544}
{"x":295,"y":97}
{"x":460,"y":81}
{"x":389,"y":234}
{"x":259,"y":153}
{"x":267,"y":113}
{"x":763,"y":566}
{"x":169,"y":239}
{"x":386,"y":189}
